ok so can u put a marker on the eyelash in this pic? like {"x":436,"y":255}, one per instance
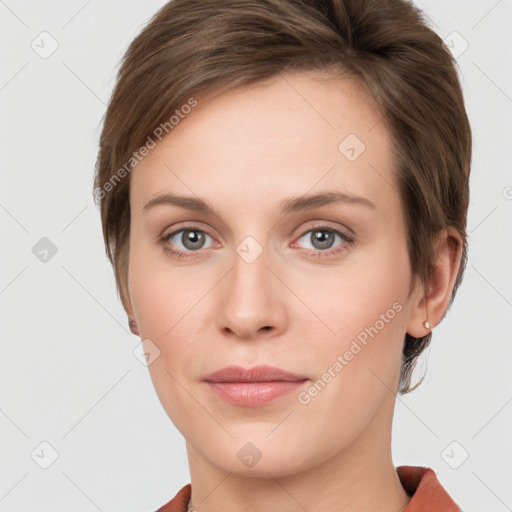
{"x":349,"y":241}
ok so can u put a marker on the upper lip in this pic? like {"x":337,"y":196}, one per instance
{"x":261,"y":373}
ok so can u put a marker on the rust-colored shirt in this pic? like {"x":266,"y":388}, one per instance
{"x":421,"y":483}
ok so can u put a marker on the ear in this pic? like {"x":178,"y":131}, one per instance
{"x":432,"y":302}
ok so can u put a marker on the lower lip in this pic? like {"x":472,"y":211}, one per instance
{"x":253,"y":394}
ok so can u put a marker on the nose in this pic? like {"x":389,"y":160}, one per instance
{"x":251,"y":300}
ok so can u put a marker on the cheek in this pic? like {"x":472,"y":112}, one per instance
{"x":361,"y":311}
{"x":167,"y":300}
{"x":344,"y":303}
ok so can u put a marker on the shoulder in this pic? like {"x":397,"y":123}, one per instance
{"x":179,"y":502}
{"x":427,"y":492}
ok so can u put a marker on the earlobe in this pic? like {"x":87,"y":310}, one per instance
{"x":133,"y":326}
{"x":419,"y":323}
{"x":131,"y":321}
{"x":129,"y":311}
{"x":430,"y":306}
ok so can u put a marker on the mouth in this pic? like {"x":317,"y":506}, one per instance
{"x":253,"y":387}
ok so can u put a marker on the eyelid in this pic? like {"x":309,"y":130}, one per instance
{"x":191,"y":224}
{"x":324,"y":224}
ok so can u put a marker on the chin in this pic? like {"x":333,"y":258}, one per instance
{"x":260,"y":457}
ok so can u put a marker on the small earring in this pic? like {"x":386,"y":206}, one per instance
{"x":426,"y":324}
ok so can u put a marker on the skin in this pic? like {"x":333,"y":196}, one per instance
{"x":243,"y":152}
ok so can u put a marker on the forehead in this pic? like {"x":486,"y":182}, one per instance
{"x":290,"y":135}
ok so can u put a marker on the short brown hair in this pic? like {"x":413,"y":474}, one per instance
{"x":191,"y":46}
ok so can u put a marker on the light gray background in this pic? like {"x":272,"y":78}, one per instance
{"x":68,"y":376}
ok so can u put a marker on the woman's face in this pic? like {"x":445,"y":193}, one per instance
{"x":269,"y":276}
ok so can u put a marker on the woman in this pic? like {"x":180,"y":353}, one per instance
{"x":284,"y":189}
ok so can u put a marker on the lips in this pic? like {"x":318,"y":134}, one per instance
{"x":257,"y":374}
{"x":254,"y":386}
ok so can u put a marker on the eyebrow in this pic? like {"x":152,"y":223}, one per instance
{"x":294,"y":204}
